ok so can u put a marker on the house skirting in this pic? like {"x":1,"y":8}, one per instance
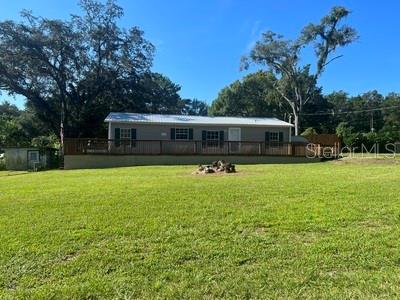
{"x":88,"y":161}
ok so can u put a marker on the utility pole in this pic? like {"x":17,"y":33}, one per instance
{"x":372,"y":122}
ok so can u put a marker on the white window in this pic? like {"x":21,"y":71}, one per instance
{"x":212,"y":135}
{"x":125,"y":133}
{"x":274,"y":137}
{"x":33,"y":156}
{"x":212,"y":138}
{"x":182,"y":134}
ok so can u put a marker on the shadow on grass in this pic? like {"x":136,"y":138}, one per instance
{"x":14,"y":173}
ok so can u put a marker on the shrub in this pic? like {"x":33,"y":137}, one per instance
{"x":45,"y":141}
{"x":2,"y":164}
{"x":309,"y":131}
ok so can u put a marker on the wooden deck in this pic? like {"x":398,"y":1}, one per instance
{"x":167,"y":147}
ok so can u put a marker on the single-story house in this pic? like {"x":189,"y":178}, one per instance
{"x":29,"y":158}
{"x":209,"y":130}
{"x":143,"y":139}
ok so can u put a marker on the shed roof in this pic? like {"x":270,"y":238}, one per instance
{"x":299,"y":139}
{"x":136,"y":118}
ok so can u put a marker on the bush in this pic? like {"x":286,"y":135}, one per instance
{"x":45,"y":142}
{"x":347,"y":135}
{"x":369,"y":141}
{"x":309,"y":131}
{"x":2,"y":164}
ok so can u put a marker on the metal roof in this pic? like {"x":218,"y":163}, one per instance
{"x":117,"y":117}
{"x":299,"y":139}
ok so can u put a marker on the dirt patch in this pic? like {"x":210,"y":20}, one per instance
{"x":254,"y":231}
{"x":260,"y":230}
{"x":216,"y":174}
{"x":70,"y":256}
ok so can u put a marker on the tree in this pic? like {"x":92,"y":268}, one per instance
{"x":71,"y":70}
{"x":253,"y":96}
{"x":367,"y":115}
{"x":314,"y":114}
{"x":160,"y":95}
{"x":391,"y":117}
{"x":296,"y":84}
{"x":8,"y":109}
{"x":45,"y":141}
{"x":347,"y":134}
{"x":11,"y":132}
{"x":19,"y":127}
{"x":309,"y":131}
{"x":195,"y":107}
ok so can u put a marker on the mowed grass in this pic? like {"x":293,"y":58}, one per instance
{"x":324,"y":230}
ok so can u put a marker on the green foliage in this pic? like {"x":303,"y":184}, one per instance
{"x":328,"y":35}
{"x":363,"y":140}
{"x":311,"y":118}
{"x":19,"y":127}
{"x":194,"y":107}
{"x":369,"y":118}
{"x":2,"y":163}
{"x":391,"y":117}
{"x":309,"y":131}
{"x":308,"y":231}
{"x":11,"y":132}
{"x":296,"y":84}
{"x":74,"y":71}
{"x":347,"y":135}
{"x":253,"y":96}
{"x":46,"y":142}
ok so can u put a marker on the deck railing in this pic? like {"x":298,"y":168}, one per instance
{"x":167,"y":147}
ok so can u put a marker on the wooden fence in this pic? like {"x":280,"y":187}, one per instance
{"x":167,"y":147}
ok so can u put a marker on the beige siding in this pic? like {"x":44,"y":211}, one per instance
{"x":17,"y":159}
{"x":162,"y":132}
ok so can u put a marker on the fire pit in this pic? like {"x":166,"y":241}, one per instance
{"x":219,"y":166}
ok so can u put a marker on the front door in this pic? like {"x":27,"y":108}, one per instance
{"x":33,"y":159}
{"x":234,"y":137}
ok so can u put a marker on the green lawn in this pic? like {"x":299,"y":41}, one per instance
{"x":325,"y":230}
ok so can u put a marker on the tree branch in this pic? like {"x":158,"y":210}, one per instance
{"x":339,"y":56}
{"x":292,"y":105}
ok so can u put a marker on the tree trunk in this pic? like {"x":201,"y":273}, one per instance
{"x":296,"y":124}
{"x":62,"y":122}
{"x":296,"y":114}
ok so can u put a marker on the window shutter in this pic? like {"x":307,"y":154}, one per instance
{"x":204,"y":137}
{"x":117,"y":133}
{"x":190,"y":133}
{"x":267,"y":136}
{"x":173,"y":134}
{"x":221,"y":138}
{"x":133,"y":133}
{"x":280,"y":136}
{"x":133,"y":137}
{"x":117,"y":136}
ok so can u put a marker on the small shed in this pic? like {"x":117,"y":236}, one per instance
{"x":299,"y":139}
{"x":30,"y":158}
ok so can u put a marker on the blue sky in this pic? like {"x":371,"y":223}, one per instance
{"x":199,"y":43}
